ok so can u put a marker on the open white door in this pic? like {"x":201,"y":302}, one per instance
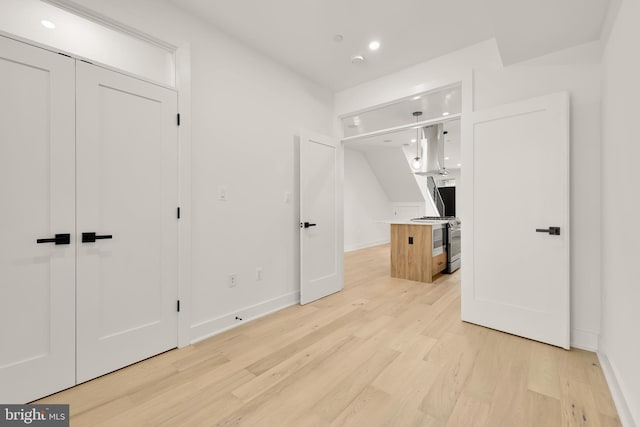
{"x":37,"y":189}
{"x":321,"y":242}
{"x":127,"y":194}
{"x":515,"y":274}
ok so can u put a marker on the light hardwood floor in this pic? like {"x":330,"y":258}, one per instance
{"x":383,"y":352}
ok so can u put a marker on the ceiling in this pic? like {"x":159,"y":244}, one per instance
{"x":399,"y":139}
{"x":432,"y":105}
{"x":300,"y":33}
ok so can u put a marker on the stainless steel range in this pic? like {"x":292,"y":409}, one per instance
{"x":451,"y":239}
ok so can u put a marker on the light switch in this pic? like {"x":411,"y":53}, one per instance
{"x":222,"y":193}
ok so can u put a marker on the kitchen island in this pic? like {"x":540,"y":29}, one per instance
{"x":412,"y":254}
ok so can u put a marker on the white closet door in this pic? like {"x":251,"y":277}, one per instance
{"x":37,"y":281}
{"x":127,"y":191}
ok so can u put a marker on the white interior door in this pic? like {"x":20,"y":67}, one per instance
{"x":127,"y":193}
{"x":37,"y":186}
{"x":515,"y":278}
{"x":321,"y":241}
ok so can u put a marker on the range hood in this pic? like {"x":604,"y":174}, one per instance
{"x":433,"y":151}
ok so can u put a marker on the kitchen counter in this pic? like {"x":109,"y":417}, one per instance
{"x":409,"y":222}
{"x":411,"y":251}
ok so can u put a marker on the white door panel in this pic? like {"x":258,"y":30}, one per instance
{"x":127,"y":189}
{"x":37,"y":281}
{"x":320,"y":201}
{"x":519,"y":281}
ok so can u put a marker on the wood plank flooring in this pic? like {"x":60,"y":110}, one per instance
{"x":383,"y":352}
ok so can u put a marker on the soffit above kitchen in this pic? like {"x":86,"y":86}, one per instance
{"x":303,"y":34}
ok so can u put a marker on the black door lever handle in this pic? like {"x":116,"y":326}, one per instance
{"x":59,"y":239}
{"x":92,"y":237}
{"x":307,"y":225}
{"x":554,"y":231}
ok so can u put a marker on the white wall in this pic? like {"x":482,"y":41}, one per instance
{"x":576,"y":70}
{"x":246,"y":110}
{"x":621,"y":209}
{"x":365,"y":204}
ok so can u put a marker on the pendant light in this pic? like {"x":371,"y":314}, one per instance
{"x":416,"y":162}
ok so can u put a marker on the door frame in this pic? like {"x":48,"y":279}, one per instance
{"x":465,"y":81}
{"x":182,"y":54}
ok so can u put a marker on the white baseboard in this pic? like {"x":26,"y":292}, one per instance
{"x":211,"y":327}
{"x":358,"y":246}
{"x":584,"y":340}
{"x":616,"y":392}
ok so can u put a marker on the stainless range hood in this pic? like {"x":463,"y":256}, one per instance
{"x":433,"y":144}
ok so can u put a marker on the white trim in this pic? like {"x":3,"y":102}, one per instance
{"x":203,"y":330}
{"x":416,"y":125}
{"x":105,"y":21}
{"x":626,"y":419}
{"x":72,"y":55}
{"x":584,"y":340}
{"x":358,"y":246}
{"x":435,"y":88}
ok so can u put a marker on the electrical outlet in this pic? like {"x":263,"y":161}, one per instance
{"x":222,"y":193}
{"x":233,"y":280}
{"x":259,"y":273}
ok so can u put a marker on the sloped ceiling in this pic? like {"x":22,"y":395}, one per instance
{"x":394,"y":174}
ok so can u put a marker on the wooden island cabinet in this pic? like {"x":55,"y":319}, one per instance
{"x":411,"y":253}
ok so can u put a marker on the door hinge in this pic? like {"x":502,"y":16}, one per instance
{"x":178,"y":119}
{"x":178,"y":212}
{"x":178,"y":306}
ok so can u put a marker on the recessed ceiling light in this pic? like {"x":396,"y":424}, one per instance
{"x":357,"y":59}
{"x":413,"y":140}
{"x":374,"y":45}
{"x":459,"y":164}
{"x":338,"y":38}
{"x":48,"y":24}
{"x":446,"y":158}
{"x":446,"y":113}
{"x":415,"y":98}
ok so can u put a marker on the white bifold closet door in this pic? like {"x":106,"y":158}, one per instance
{"x":37,"y":189}
{"x":127,"y":192}
{"x":88,"y":226}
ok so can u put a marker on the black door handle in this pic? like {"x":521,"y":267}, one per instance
{"x":60,"y":239}
{"x":554,"y":231}
{"x":92,"y":237}
{"x":307,"y":225}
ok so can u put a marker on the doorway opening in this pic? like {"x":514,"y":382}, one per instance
{"x":384,"y":185}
